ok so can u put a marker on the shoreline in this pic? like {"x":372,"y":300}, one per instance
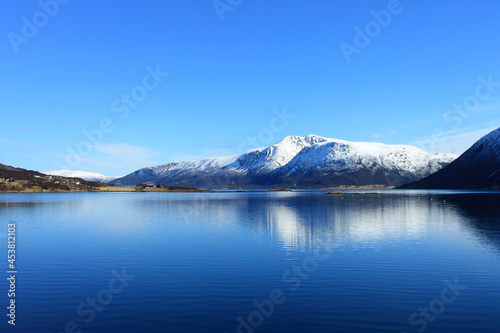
{"x":330,"y":191}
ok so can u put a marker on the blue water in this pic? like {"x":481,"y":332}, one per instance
{"x":300,"y":261}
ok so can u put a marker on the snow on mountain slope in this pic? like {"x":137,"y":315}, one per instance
{"x":477,"y":168}
{"x":264,"y":160}
{"x":486,"y":148}
{"x":300,"y":161}
{"x":90,"y":176}
{"x":339,"y":155}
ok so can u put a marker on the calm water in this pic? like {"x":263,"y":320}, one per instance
{"x":254,"y":262}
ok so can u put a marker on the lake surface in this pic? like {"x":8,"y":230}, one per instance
{"x":300,"y":261}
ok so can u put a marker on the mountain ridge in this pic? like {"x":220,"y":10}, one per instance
{"x":477,"y":168}
{"x":295,"y":161}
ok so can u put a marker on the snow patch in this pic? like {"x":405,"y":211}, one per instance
{"x":89,"y":176}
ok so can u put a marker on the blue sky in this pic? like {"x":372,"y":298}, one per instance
{"x":238,"y":76}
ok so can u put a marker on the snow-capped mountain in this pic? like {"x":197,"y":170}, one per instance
{"x":310,"y":161}
{"x":89,"y":176}
{"x":477,"y":168}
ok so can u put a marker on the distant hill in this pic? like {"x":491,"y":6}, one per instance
{"x":300,"y":162}
{"x":477,"y":168}
{"x":10,"y":168}
{"x":7,"y":171}
{"x":90,"y":176}
{"x":14,"y":179}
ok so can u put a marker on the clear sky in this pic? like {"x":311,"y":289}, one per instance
{"x":240,"y":74}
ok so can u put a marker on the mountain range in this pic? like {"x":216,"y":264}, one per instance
{"x":317,"y":162}
{"x":300,"y":162}
{"x":477,"y":168}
